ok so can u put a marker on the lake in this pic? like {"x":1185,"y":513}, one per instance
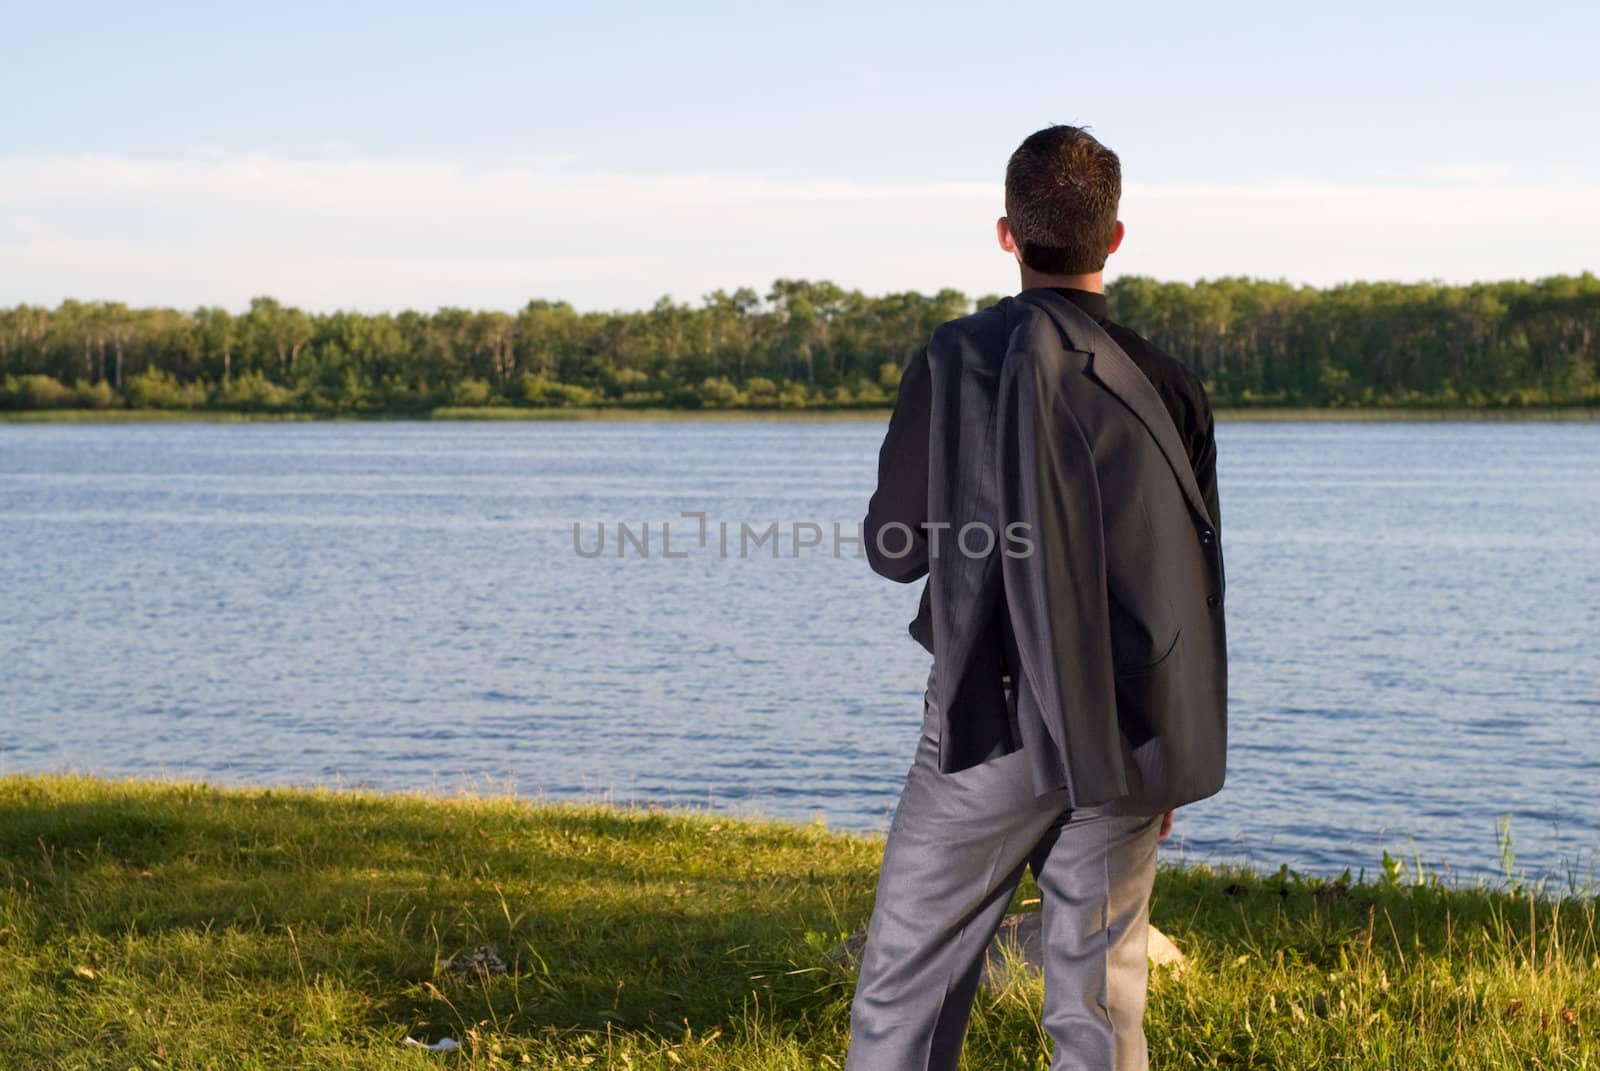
{"x":1413,"y":620}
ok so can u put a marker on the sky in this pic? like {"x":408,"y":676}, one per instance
{"x":379,"y":157}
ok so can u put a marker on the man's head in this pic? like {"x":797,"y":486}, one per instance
{"x":1062,"y":189}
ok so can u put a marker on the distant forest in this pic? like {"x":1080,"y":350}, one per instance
{"x":801,"y":345}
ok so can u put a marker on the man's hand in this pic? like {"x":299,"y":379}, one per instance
{"x":1166,"y":827}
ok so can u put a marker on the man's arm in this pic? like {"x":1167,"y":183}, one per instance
{"x":901,"y":498}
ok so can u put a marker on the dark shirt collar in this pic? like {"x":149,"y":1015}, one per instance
{"x":1090,"y":302}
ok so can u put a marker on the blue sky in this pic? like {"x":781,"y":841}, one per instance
{"x":382,"y":156}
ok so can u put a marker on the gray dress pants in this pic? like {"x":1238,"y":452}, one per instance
{"x":956,"y":848}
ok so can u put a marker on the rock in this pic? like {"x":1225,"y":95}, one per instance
{"x":1018,"y":940}
{"x":847,"y":953}
{"x":482,"y":960}
{"x":1163,"y":953}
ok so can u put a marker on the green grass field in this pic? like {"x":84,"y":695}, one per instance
{"x":483,"y":412}
{"x":489,"y":412}
{"x":172,"y":924}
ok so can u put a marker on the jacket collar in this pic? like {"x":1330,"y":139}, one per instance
{"x":1092,"y":302}
{"x":1113,"y":369}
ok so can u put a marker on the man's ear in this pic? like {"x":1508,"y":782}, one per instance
{"x":1002,"y":231}
{"x":1117,"y":233}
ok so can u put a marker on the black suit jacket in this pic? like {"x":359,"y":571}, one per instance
{"x":1109,"y":628}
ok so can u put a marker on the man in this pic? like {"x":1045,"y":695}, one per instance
{"x":1078,"y":689}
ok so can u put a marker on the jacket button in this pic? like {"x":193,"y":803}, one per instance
{"x":1213,"y":600}
{"x":1206,"y":536}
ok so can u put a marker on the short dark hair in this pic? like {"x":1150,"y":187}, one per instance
{"x":1062,"y":189}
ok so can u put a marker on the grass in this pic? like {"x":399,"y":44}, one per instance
{"x":143,"y":416}
{"x":492,"y":412}
{"x":1342,"y":414}
{"x":448,"y":412}
{"x":173,"y":924}
{"x":1261,"y":414}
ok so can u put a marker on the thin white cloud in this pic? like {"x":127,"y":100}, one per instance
{"x":376,"y":234}
{"x":1478,"y":171}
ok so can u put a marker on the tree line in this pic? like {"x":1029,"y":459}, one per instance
{"x":801,"y":345}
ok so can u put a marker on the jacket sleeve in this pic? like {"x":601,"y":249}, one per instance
{"x":896,"y":541}
{"x":1073,"y":565}
{"x":1056,"y":589}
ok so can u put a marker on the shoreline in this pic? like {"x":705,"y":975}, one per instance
{"x":180,"y":923}
{"x":1386,"y":870}
{"x":1265,"y":415}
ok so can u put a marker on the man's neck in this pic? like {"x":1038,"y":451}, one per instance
{"x":1094,"y":282}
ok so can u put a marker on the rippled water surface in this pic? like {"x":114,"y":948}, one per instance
{"x":1414,"y":623}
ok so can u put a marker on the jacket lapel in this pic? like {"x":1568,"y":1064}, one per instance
{"x":1113,"y":369}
